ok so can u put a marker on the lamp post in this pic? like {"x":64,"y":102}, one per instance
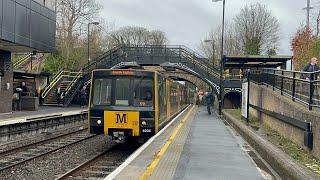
{"x":94,"y":23}
{"x":221,"y":53}
{"x":213,"y":49}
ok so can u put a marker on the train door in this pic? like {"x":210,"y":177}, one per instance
{"x":168,"y":100}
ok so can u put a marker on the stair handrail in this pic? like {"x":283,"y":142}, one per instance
{"x":207,"y":64}
{"x":53,"y":83}
{"x":83,"y":70}
{"x":20,"y":61}
{"x":184,"y":52}
{"x":40,"y":59}
{"x":201,"y":59}
{"x":73,"y":81}
{"x":74,"y":89}
{"x":100,"y":57}
{"x":192,"y":51}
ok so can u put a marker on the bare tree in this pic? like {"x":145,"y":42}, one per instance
{"x":213,"y":47}
{"x":74,"y":15}
{"x":72,"y":19}
{"x":257,"y":29}
{"x":136,"y":36}
{"x":157,"y":37}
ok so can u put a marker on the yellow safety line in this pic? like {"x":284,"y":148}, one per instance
{"x":156,"y":160}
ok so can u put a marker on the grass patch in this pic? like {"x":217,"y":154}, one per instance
{"x":253,"y":122}
{"x":297,"y":153}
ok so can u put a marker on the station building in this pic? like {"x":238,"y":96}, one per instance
{"x":25,"y":26}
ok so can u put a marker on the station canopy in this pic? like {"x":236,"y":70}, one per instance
{"x":251,"y":61}
{"x":21,"y":74}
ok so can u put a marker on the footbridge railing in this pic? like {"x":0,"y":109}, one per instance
{"x":56,"y":81}
{"x":157,"y":55}
{"x":151,"y":55}
{"x":303,"y":87}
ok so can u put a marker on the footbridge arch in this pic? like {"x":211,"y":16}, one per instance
{"x":172,"y":67}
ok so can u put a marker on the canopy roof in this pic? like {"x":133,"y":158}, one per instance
{"x":28,"y":75}
{"x":255,"y":61}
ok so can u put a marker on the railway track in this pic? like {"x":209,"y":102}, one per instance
{"x":19,"y":155}
{"x":33,"y":140}
{"x":101,"y":165}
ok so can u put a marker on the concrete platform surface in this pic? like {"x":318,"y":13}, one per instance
{"x":213,"y":152}
{"x":43,"y":111}
{"x":198,"y":147}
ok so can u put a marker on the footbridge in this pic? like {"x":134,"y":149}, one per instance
{"x":170,"y":58}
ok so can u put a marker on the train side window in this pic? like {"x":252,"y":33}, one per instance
{"x":102,"y":92}
{"x":163,"y":84}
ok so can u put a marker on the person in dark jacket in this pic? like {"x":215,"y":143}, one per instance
{"x":311,"y":67}
{"x":24,"y":89}
{"x":209,"y":101}
{"x":83,"y":96}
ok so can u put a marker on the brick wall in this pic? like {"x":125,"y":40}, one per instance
{"x":267,"y":99}
{"x":6,"y":94}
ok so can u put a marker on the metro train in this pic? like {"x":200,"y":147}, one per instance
{"x":134,"y":103}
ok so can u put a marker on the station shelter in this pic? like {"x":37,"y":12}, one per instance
{"x":235,"y":69}
{"x":25,"y":26}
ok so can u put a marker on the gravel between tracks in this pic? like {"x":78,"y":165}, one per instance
{"x":54,"y":164}
{"x":19,"y":142}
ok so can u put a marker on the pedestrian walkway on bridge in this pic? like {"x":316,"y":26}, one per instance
{"x":200,"y":146}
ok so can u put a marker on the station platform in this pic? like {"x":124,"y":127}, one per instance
{"x":195,"y":146}
{"x":42,"y":112}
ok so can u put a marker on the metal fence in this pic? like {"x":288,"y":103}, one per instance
{"x":303,"y":87}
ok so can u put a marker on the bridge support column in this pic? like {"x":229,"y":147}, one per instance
{"x":6,"y":82}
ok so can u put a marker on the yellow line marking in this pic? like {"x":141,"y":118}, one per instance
{"x":156,"y":160}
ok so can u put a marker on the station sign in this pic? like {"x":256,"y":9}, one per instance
{"x":122,"y":72}
{"x":245,"y":94}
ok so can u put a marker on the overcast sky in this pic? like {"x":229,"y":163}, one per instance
{"x":188,"y":21}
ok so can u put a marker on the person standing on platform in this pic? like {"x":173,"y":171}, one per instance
{"x":17,"y":99}
{"x":311,"y":67}
{"x":24,"y":89}
{"x":83,"y":96}
{"x":209,"y":101}
{"x":58,"y":94}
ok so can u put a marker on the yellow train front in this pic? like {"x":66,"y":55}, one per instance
{"x":133,"y":103}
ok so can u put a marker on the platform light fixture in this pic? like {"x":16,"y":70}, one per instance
{"x":221,"y":61}
{"x":212,"y":41}
{"x":94,"y":23}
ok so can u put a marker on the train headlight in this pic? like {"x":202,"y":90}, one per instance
{"x":99,"y":121}
{"x":144,"y":123}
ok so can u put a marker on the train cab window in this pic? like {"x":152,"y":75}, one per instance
{"x":102,"y":92}
{"x":122,"y":91}
{"x":143,"y":92}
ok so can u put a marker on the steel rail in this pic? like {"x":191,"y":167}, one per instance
{"x":38,"y":142}
{"x":79,"y":167}
{"x":13,"y":163}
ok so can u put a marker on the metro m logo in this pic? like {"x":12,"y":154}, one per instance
{"x":121,"y":118}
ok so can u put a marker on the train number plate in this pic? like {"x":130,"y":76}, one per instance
{"x":146,"y":130}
